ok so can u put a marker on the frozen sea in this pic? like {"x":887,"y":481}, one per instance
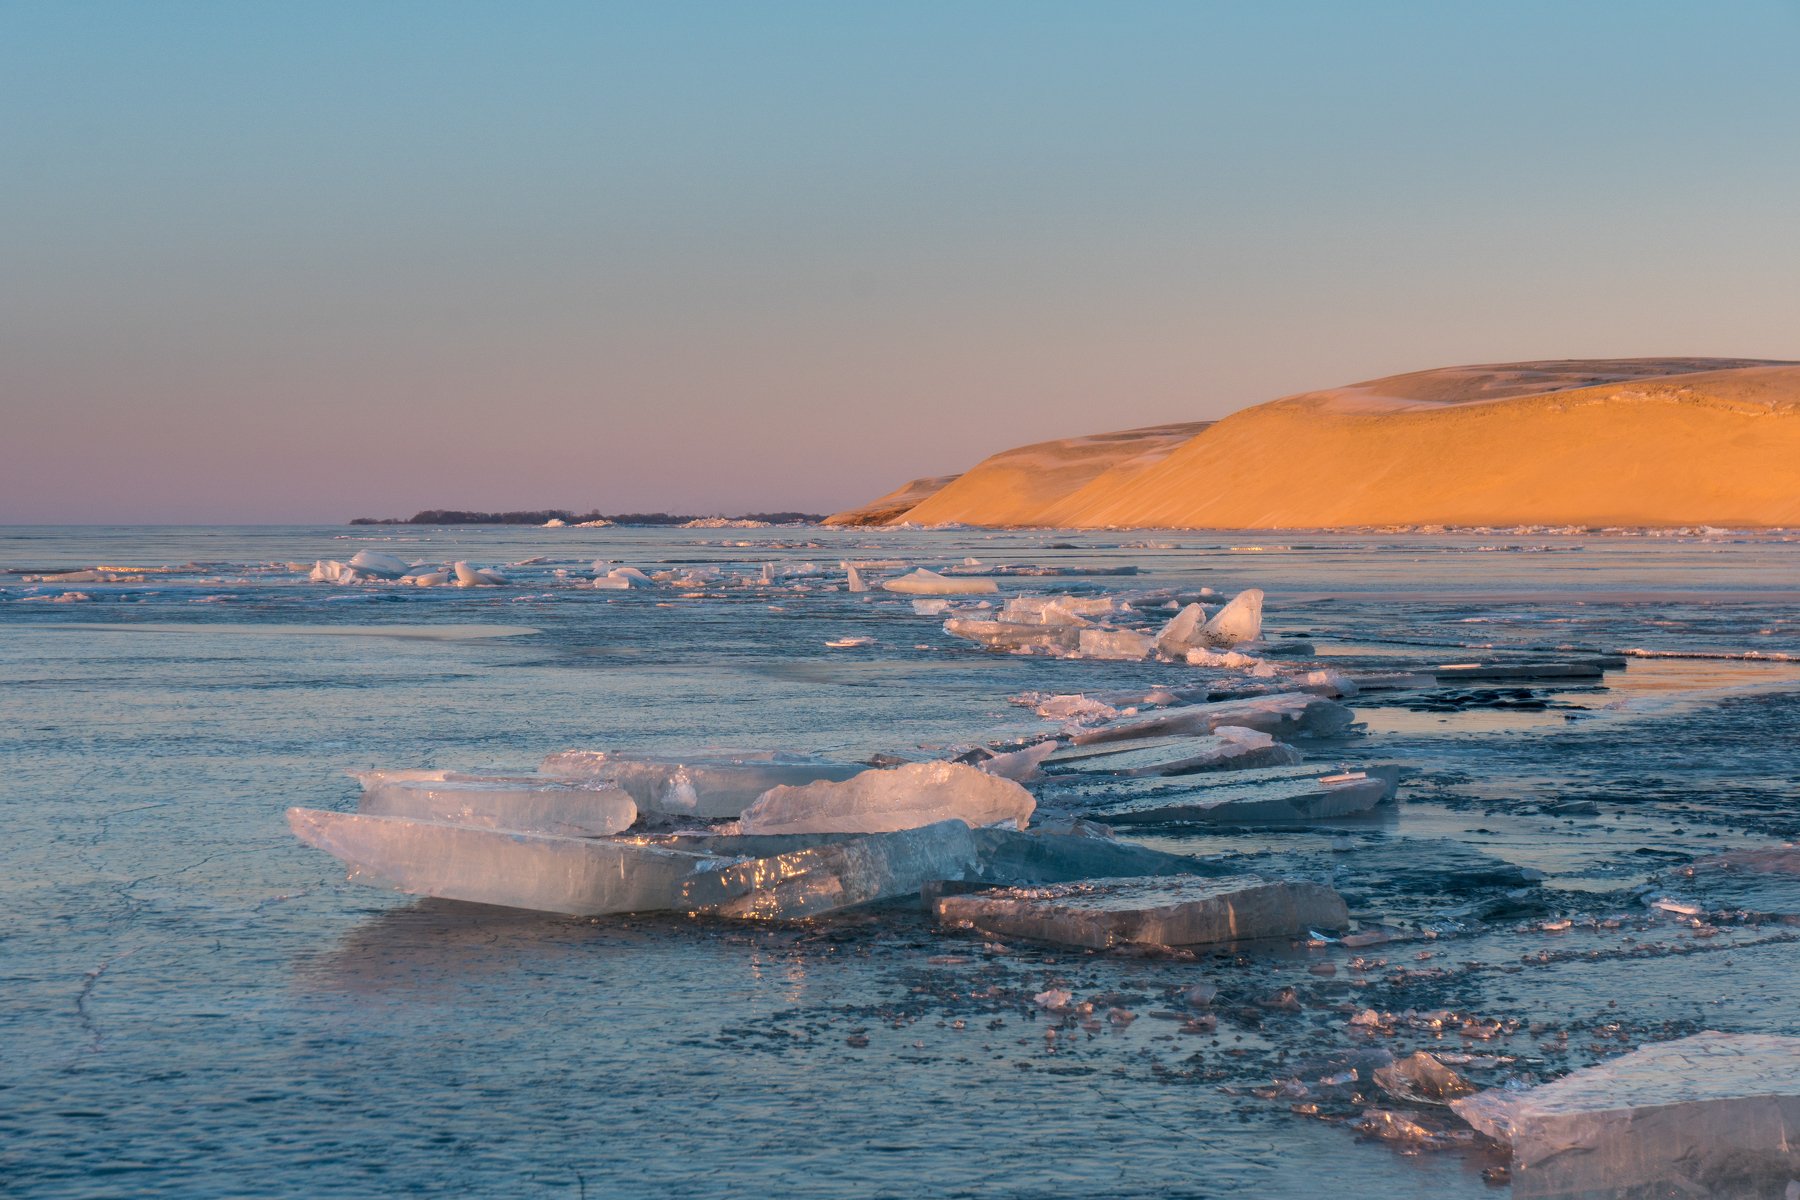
{"x":194,"y":1004}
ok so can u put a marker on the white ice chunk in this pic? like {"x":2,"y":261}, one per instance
{"x":541,"y":872}
{"x":715,"y":785}
{"x":856,"y":583}
{"x":382,"y":566}
{"x":1715,"y":1114}
{"x":881,"y":800}
{"x":1077,"y":709}
{"x":825,"y":879}
{"x":1007,"y":636}
{"x":929,"y":608}
{"x":1239,"y":621}
{"x":433,"y":579}
{"x":929,"y":583}
{"x":1182,"y":633}
{"x":530,"y":806}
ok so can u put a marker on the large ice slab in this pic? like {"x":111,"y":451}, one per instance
{"x":880,"y":800}
{"x":1715,"y":1114}
{"x":929,"y":583}
{"x":1230,"y":747}
{"x":1520,"y":670}
{"x":541,"y":872}
{"x":1180,"y":911}
{"x":1281,"y":714}
{"x":529,"y":806}
{"x":714,"y":785}
{"x":1038,"y":856}
{"x":825,"y":879}
{"x":1227,"y":802}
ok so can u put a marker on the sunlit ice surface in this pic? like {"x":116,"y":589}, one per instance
{"x":198,"y":1005}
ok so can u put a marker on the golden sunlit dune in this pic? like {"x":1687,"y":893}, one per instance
{"x":1014,"y":487}
{"x":895,"y":504}
{"x":1670,"y":441}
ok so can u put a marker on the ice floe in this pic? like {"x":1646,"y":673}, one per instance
{"x":880,"y":800}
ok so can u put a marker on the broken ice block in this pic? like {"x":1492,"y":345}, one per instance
{"x":1715,"y":1114}
{"x":1179,"y":911}
{"x":382,"y":566}
{"x":1229,"y":802}
{"x":529,"y":806}
{"x":1239,"y":621}
{"x":1054,"y":610}
{"x":929,"y":583}
{"x":824,"y":879}
{"x":1229,"y":747}
{"x":541,"y":872}
{"x":1115,"y":645}
{"x":854,"y":580}
{"x":881,"y":800}
{"x":1423,"y":1079}
{"x":1182,"y":633}
{"x":1014,"y":637}
{"x":715,"y":785}
{"x":1282,"y":714}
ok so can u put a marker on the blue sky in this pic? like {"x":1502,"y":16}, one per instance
{"x":305,"y":261}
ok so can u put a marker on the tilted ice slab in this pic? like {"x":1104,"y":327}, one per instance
{"x":1039,"y":856}
{"x":712,"y":786}
{"x":929,"y":583}
{"x":529,"y":806}
{"x":880,"y":800}
{"x":541,"y":872}
{"x":1282,"y":714}
{"x":1715,"y":1114}
{"x":1231,"y":802}
{"x":825,"y":879}
{"x":1240,"y":621}
{"x":1230,"y":747}
{"x":1021,"y":764}
{"x":1180,"y":911}
{"x":1114,"y":645}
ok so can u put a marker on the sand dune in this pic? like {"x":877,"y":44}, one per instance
{"x":894,"y":505}
{"x":1014,"y":487}
{"x":1673,"y":441}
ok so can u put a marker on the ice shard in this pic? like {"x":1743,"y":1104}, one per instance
{"x":713,"y":785}
{"x":1034,"y":857}
{"x":929,"y":583}
{"x":1182,"y":633}
{"x":1239,"y":621}
{"x":1715,"y":1114}
{"x":1282,"y":714}
{"x":1520,"y":670}
{"x":1018,"y":765}
{"x":881,"y":800}
{"x":1178,"y":911}
{"x":825,"y":879}
{"x":541,"y":872}
{"x":528,"y":806}
{"x":1115,"y":645}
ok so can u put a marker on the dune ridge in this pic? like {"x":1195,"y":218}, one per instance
{"x":1637,"y":442}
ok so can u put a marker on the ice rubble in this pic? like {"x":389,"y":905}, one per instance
{"x":715,"y":785}
{"x":523,"y":804}
{"x":824,"y":879}
{"x":1282,"y":714}
{"x":882,"y":800}
{"x":1715,"y":1114}
{"x":929,"y":583}
{"x":541,"y":872}
{"x":1159,"y":911}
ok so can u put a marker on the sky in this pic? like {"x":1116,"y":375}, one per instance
{"x":290,"y":261}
